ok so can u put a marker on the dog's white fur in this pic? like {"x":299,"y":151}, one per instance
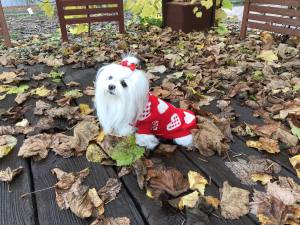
{"x":119,"y":109}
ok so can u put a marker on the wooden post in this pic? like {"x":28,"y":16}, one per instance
{"x":245,"y":19}
{"x":121,"y":17}
{"x":62,"y":22}
{"x":3,"y":28}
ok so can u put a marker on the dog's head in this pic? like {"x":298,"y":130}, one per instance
{"x":122,"y":85}
{"x":117,"y":81}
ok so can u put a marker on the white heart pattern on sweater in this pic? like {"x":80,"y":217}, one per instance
{"x":175,"y":122}
{"x":188,"y":118}
{"x":162,"y":106}
{"x":147,"y":112}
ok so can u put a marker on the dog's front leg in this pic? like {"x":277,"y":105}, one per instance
{"x":146,"y":140}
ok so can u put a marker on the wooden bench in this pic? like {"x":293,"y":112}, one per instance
{"x":89,"y":11}
{"x":280,"y":16}
{"x":3,"y":28}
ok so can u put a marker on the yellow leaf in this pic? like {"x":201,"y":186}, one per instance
{"x":264,"y":220}
{"x":268,"y":56}
{"x":262,"y":177}
{"x":197,"y":181}
{"x":266,"y":144}
{"x":85,"y":109}
{"x":47,"y":7}
{"x":149,"y":194}
{"x":214,"y":202}
{"x":41,"y":91}
{"x":207,"y":3}
{"x":295,"y":161}
{"x":4,"y":88}
{"x":189,"y":200}
{"x":220,"y":15}
{"x":7,"y":143}
{"x":79,"y":29}
{"x":95,"y":154}
{"x":100,"y":137}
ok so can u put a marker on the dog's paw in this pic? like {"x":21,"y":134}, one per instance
{"x":186,"y":141}
{"x":146,"y":140}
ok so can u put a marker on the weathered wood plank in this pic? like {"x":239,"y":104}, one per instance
{"x":14,"y":209}
{"x":48,"y":211}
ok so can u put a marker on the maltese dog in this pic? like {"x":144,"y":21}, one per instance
{"x":125,"y":106}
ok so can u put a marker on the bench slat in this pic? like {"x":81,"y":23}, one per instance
{"x":274,"y":19}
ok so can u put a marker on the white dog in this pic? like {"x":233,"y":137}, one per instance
{"x":125,"y":106}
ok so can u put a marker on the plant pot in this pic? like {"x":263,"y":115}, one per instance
{"x":180,"y":16}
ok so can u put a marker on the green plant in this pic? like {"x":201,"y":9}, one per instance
{"x":220,"y":13}
{"x":148,"y":12}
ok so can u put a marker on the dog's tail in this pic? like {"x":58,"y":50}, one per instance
{"x":131,"y":59}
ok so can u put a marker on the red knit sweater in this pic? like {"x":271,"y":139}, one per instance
{"x":164,"y":120}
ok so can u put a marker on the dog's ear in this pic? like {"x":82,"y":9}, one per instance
{"x":100,"y":71}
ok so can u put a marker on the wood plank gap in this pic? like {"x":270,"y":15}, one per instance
{"x":33,"y":197}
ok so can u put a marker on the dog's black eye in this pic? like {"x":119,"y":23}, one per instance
{"x":110,"y":77}
{"x":123,"y":83}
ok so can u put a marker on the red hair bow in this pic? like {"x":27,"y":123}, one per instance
{"x":131,"y":66}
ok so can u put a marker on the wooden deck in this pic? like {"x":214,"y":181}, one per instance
{"x":41,"y":208}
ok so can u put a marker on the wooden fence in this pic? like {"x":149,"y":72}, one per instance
{"x":280,"y":16}
{"x":89,"y":11}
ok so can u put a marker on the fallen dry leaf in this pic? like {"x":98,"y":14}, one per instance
{"x":95,"y":154}
{"x":234,"y":201}
{"x":212,"y":201}
{"x":112,"y":221}
{"x":21,"y":97}
{"x":209,"y":139}
{"x":36,"y":146}
{"x":7,"y":143}
{"x":72,"y":194}
{"x":41,"y":107}
{"x":189,"y":200}
{"x":7,"y":77}
{"x":165,"y":149}
{"x":84,"y":132}
{"x":110,"y":190}
{"x":278,"y":204}
{"x":62,"y":145}
{"x":169,"y":180}
{"x":5,"y":130}
{"x":286,"y":137}
{"x":7,"y":175}
{"x":243,"y":168}
{"x":262,"y":177}
{"x":265,"y":144}
{"x":197,"y":181}
{"x":295,"y":161}
{"x":85,"y":109}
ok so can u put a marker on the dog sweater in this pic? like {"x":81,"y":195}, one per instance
{"x":164,"y":120}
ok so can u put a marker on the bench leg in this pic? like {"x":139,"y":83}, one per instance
{"x":62,"y":22}
{"x":121,"y":17}
{"x":4,"y":28}
{"x":245,"y":20}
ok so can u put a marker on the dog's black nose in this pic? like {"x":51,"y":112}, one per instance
{"x":111,"y":87}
